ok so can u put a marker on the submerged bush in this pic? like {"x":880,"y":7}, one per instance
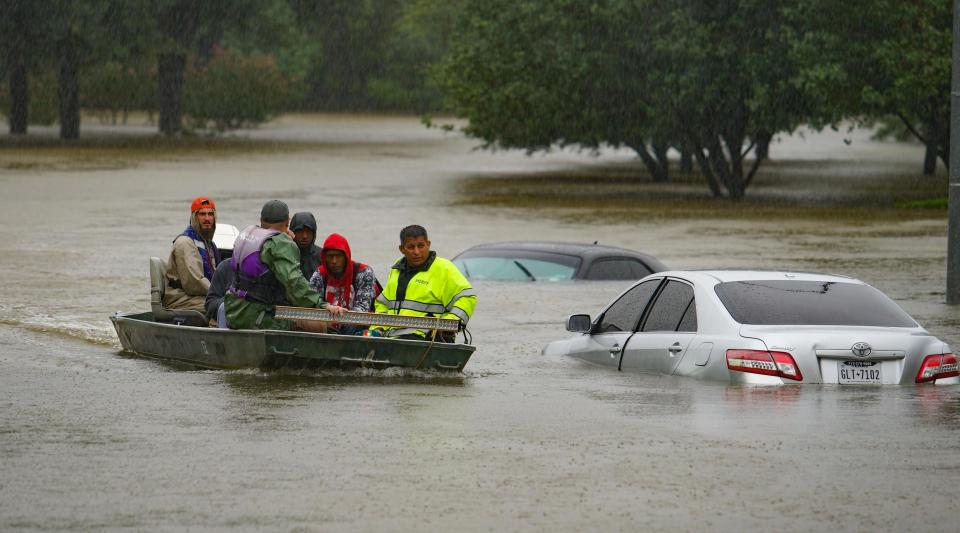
{"x":112,"y":90}
{"x":232,"y":91}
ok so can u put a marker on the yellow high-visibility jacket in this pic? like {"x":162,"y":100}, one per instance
{"x":436,"y":288}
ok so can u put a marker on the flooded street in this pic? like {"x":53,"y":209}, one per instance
{"x":94,"y":439}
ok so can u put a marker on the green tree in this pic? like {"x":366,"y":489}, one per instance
{"x":232,"y":91}
{"x":83,"y":32}
{"x":115,"y":87}
{"x":877,"y":59}
{"x":418,"y":40}
{"x":709,"y":77}
{"x":275,"y":31}
{"x":730,"y":84}
{"x":353,"y":35}
{"x":183,"y":27}
{"x":22,"y":29}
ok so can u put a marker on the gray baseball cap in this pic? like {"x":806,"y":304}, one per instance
{"x":274,"y":211}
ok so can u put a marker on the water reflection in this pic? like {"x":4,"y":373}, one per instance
{"x":775,"y":397}
{"x":259,"y":383}
{"x":938,"y":405}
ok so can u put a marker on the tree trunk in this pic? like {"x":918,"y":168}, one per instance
{"x":663,"y":163}
{"x":686,"y":159}
{"x":730,"y":172}
{"x":68,"y":90}
{"x":18,"y":99}
{"x":657,"y":172}
{"x":762,"y":147}
{"x":930,"y":160}
{"x":170,"y":68}
{"x":707,"y":172}
{"x":944,"y":149}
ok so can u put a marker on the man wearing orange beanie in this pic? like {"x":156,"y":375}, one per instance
{"x":193,"y":259}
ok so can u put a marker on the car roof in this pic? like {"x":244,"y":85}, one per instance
{"x":722,"y":276}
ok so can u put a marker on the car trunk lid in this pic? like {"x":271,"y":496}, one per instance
{"x":850,"y":354}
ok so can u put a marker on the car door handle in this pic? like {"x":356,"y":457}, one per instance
{"x":674,"y":348}
{"x":615,"y":349}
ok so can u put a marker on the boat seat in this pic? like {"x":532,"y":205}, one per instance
{"x":158,"y":285}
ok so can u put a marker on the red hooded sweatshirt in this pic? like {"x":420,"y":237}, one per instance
{"x":338,"y":289}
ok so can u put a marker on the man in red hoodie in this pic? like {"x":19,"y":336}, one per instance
{"x":343,"y":282}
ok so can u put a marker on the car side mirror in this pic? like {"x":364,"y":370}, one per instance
{"x":579,"y":323}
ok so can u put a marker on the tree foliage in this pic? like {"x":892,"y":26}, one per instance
{"x":714,"y":79}
{"x":881,"y":59}
{"x":231,"y":91}
{"x":699,"y":75}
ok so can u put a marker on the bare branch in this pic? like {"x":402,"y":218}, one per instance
{"x":911,"y":128}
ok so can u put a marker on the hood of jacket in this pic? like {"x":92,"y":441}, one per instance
{"x":304,"y":219}
{"x":337,"y":242}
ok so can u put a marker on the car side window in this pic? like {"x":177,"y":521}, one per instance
{"x":670,"y":307}
{"x":689,"y":320}
{"x":617,"y":268}
{"x":625,"y":313}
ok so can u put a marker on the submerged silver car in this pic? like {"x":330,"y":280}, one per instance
{"x":760,"y":327}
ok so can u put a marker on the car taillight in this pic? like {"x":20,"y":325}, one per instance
{"x":780,"y":364}
{"x":937,"y":366}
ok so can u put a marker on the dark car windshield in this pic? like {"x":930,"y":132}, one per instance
{"x":821,"y":303}
{"x":517,"y":265}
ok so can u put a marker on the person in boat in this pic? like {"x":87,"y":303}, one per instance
{"x":423,"y":284}
{"x":267,"y":273}
{"x":222,"y":280}
{"x":344,"y":282}
{"x":193,"y":259}
{"x":304,"y":227}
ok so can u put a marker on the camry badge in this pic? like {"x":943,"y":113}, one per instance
{"x":861,"y":349}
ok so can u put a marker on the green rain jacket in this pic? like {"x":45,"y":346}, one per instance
{"x":282,"y":256}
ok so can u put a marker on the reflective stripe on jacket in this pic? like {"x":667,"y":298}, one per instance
{"x":441,"y":290}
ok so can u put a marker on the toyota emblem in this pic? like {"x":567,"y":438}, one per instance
{"x":861,"y":349}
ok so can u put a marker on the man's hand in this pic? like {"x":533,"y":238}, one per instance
{"x":335,"y":310}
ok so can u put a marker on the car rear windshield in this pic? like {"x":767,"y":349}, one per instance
{"x":820,"y":303}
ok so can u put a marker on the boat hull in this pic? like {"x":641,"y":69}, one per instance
{"x":271,"y":349}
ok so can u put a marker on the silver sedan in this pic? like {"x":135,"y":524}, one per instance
{"x":760,"y":327}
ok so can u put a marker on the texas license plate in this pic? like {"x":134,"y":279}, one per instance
{"x":860,"y":373}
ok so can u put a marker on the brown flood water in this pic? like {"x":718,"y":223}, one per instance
{"x":93,"y":439}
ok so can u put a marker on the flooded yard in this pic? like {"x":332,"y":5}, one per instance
{"x":94,"y":439}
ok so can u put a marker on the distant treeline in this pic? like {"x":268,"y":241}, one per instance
{"x":715,"y":80}
{"x":216,"y":64}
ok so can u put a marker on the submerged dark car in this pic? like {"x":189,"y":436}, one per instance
{"x":554,"y":261}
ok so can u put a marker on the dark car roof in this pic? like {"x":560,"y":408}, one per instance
{"x":588,"y":252}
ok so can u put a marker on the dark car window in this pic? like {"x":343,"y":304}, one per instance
{"x":618,"y":268}
{"x":822,"y":303}
{"x":624,"y":314}
{"x":689,"y":320}
{"x":669,"y":308}
{"x":517,"y":265}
